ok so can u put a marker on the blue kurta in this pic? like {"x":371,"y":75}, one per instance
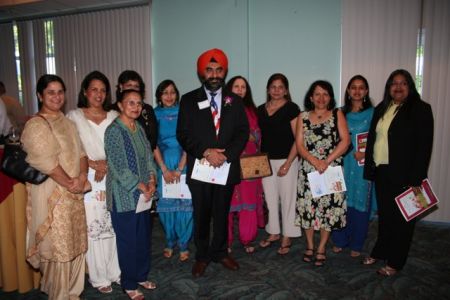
{"x":171,"y":152}
{"x":360,"y":193}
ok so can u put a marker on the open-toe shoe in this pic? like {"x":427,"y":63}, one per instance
{"x":337,"y":249}
{"x":135,"y":294}
{"x":148,"y":285}
{"x":308,"y":255}
{"x":167,"y":252}
{"x":387,"y":271}
{"x":249,"y":249}
{"x":105,"y":289}
{"x":284,"y":249}
{"x":184,"y":256}
{"x":268,"y":241}
{"x":367,"y":261}
{"x":320,"y":259}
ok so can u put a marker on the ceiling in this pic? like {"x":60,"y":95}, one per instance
{"x":16,"y":10}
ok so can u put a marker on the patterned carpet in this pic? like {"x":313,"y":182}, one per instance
{"x":267,"y":275}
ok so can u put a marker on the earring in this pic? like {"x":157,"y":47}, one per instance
{"x":364,"y":99}
{"x":349,"y":97}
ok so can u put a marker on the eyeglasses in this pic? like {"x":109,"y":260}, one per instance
{"x":133,"y":103}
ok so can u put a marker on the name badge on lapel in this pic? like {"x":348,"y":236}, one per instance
{"x":203,"y":104}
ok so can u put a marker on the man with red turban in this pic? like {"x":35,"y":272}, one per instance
{"x":212,"y":126}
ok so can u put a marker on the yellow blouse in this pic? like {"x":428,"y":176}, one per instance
{"x":381,"y":147}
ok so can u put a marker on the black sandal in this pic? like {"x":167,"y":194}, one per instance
{"x":319,"y":262}
{"x":308,"y":257}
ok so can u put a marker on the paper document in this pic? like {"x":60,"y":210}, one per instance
{"x":361,"y":142}
{"x":412,"y":205}
{"x":142,"y":204}
{"x":178,"y":190}
{"x":329,"y":182}
{"x":203,"y":171}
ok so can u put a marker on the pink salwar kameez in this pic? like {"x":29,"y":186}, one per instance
{"x":247,"y":199}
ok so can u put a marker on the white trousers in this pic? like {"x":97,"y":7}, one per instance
{"x":102,"y":261}
{"x":282,"y":190}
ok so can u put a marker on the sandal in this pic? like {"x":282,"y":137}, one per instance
{"x":320,"y":259}
{"x":337,"y":249}
{"x":148,"y":285}
{"x":367,"y":261}
{"x":284,"y":249}
{"x":308,"y":257}
{"x":167,"y":252}
{"x":387,"y":271}
{"x":268,"y":241}
{"x":105,"y":289}
{"x":249,"y":249}
{"x":184,"y":256}
{"x":135,"y":294}
{"x":355,"y":254}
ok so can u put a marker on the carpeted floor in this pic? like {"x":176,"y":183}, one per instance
{"x":267,"y":275}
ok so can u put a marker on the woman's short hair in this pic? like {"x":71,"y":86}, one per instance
{"x":309,"y":105}
{"x":124,"y":93}
{"x":284,"y":80}
{"x":94,"y":75}
{"x":160,"y":90}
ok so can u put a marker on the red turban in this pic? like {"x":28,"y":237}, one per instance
{"x":212,"y":55}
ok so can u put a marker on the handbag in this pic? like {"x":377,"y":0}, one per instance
{"x":255,"y":166}
{"x":15,"y":165}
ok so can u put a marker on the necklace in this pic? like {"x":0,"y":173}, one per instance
{"x":321,"y":115}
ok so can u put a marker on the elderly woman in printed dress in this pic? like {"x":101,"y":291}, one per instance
{"x":130,"y":177}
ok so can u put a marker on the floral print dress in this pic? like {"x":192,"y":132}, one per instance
{"x":326,"y":212}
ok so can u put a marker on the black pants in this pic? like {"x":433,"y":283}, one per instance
{"x":394,"y":232}
{"x":211,"y":202}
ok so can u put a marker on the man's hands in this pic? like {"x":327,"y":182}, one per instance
{"x":215,"y":156}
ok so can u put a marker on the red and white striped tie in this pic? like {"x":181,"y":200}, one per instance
{"x":215,"y":113}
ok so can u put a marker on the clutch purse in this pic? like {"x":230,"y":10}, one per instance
{"x":255,"y":166}
{"x":14,"y":165}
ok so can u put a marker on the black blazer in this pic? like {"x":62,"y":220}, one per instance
{"x":410,"y":141}
{"x":196,"y":132}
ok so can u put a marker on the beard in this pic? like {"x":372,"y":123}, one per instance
{"x":214,"y":83}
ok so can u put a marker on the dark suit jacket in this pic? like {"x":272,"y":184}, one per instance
{"x":410,"y":139}
{"x":196,"y":132}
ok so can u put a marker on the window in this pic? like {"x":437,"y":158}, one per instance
{"x":49,"y":47}
{"x":419,"y":59}
{"x":17,"y":57}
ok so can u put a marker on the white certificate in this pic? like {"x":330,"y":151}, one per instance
{"x":143,"y":204}
{"x":178,"y":190}
{"x":329,"y":182}
{"x":203,"y":171}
